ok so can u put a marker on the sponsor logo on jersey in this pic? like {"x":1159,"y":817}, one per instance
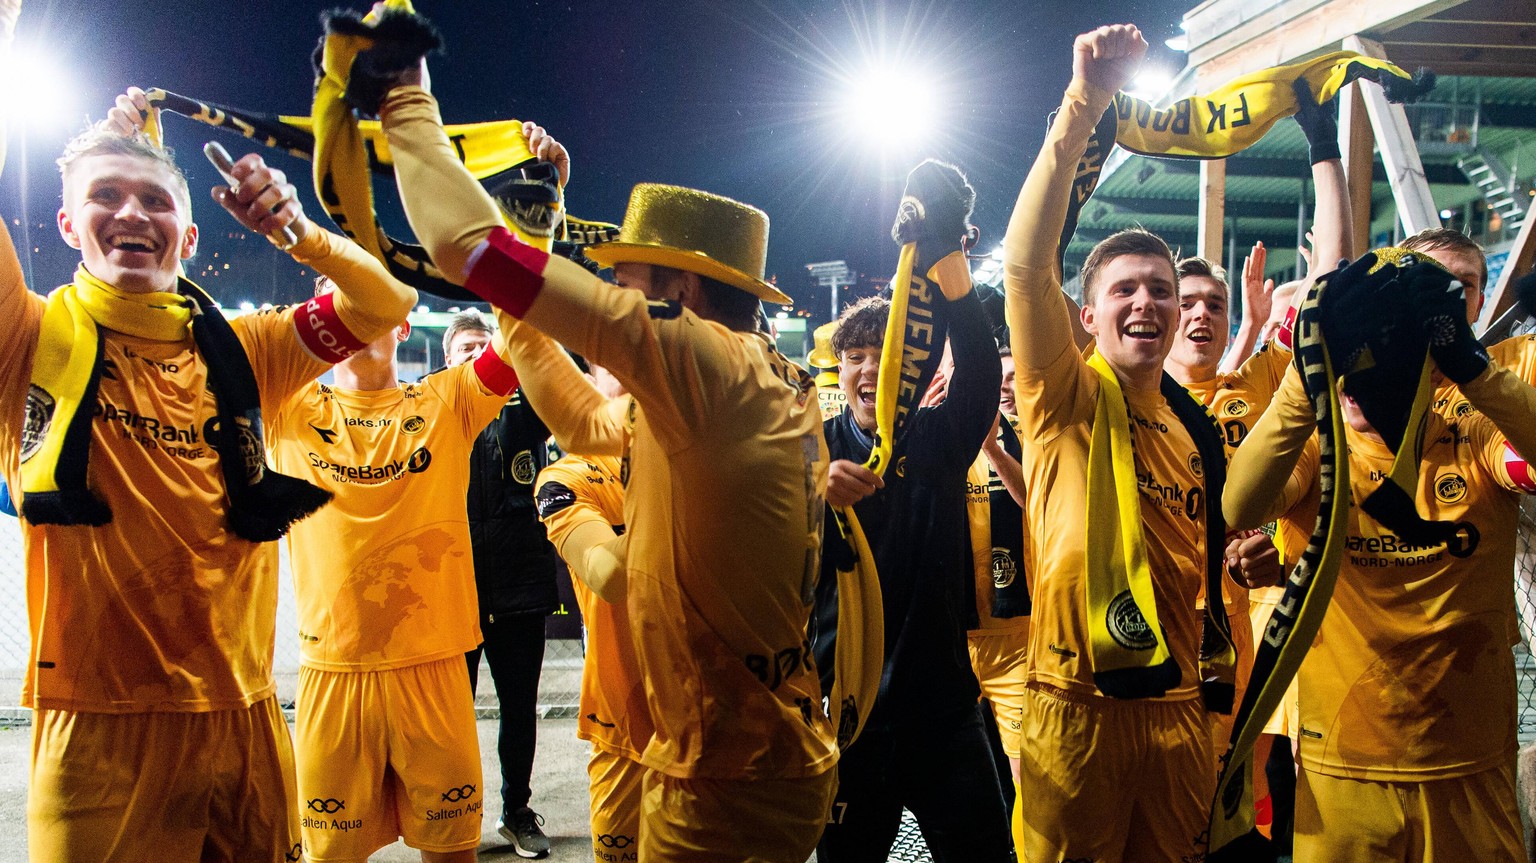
{"x":368,"y":422}
{"x":419,"y":461}
{"x":1450,"y":488}
{"x":149,"y":427}
{"x":326,"y":805}
{"x":464,"y":794}
{"x":1126,"y":624}
{"x":371,"y":474}
{"x":413,"y":424}
{"x":1235,"y":431}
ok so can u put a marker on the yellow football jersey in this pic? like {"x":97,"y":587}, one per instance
{"x":1411,"y":676}
{"x":1238,"y":398}
{"x":163,"y":608}
{"x":725,"y":471}
{"x":1518,"y":354}
{"x":383,"y":575}
{"x":572,"y":491}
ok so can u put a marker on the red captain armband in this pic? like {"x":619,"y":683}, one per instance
{"x":506,"y":272}
{"x":322,"y":332}
{"x":494,"y":373}
{"x":1519,"y":471}
{"x":1283,"y":335}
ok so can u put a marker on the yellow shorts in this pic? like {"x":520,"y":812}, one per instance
{"x":615,"y":784}
{"x":998,"y":661}
{"x":163,"y":786}
{"x":1462,"y":819}
{"x":734,"y":820}
{"x":1114,"y":780}
{"x":1239,"y":621}
{"x":387,"y":754}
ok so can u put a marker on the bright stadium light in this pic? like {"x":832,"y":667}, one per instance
{"x":42,"y":96}
{"x":891,"y":106}
{"x":1150,"y":84}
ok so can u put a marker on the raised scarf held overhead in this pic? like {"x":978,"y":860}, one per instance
{"x":56,"y":441}
{"x":1235,"y":116}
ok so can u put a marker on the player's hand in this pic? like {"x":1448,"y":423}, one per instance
{"x":129,"y":113}
{"x":1257,"y":290}
{"x":264,"y":200}
{"x":938,"y":389}
{"x":1320,"y":123}
{"x":1253,"y":560}
{"x":850,"y":482}
{"x":544,"y":146}
{"x":1108,"y":57}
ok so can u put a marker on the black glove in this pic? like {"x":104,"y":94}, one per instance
{"x":1320,"y":123}
{"x":1352,"y":309}
{"x":400,"y":41}
{"x":1525,"y":290}
{"x":1363,"y":310}
{"x":935,"y":212}
{"x":1440,"y":305}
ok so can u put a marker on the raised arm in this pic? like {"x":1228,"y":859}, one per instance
{"x":970,"y":404}
{"x":1333,"y":235}
{"x":1257,"y":293}
{"x":1037,"y":312}
{"x":581,"y":418}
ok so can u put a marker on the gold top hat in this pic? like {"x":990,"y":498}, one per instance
{"x":686,"y":229}
{"x":821,"y":355}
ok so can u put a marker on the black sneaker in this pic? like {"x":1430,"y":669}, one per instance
{"x":521,"y":828}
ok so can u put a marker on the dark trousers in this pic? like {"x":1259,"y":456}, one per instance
{"x":942,"y":771}
{"x":514,"y":649}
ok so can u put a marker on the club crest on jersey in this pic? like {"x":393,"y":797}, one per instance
{"x":1450,"y":488}
{"x":1003,"y":568}
{"x":39,"y":418}
{"x":1126,"y":624}
{"x":413,"y":424}
{"x":1196,"y":466}
{"x":1235,"y":408}
{"x":522,"y":468}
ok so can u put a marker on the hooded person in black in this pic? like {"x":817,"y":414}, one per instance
{"x":924,"y":746}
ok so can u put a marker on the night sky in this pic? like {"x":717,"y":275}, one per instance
{"x":738,"y":98}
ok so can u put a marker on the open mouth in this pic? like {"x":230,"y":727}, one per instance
{"x":1200,"y":335}
{"x":134,"y":243}
{"x":867,"y":396}
{"x":1143,"y":332}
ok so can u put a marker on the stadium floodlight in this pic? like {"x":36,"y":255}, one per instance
{"x":1150,"y":84}
{"x":42,"y":96}
{"x":891,"y":106}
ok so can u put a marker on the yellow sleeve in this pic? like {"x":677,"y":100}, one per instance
{"x":579,"y":417}
{"x":369,"y":301}
{"x":447,"y":208}
{"x":22,"y":312}
{"x":1038,"y":318}
{"x":1261,"y":467}
{"x":1262,"y":372}
{"x":1509,"y":402}
{"x":581,"y":524}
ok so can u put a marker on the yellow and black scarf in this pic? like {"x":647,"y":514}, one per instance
{"x":1010,"y":587}
{"x":66,"y":373}
{"x":1235,"y":116}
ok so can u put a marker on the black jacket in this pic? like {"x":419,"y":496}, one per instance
{"x":514,"y":562}
{"x":919,"y":531}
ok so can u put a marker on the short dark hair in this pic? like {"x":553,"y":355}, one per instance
{"x":101,"y":140}
{"x":467,"y":321}
{"x":862,"y":325}
{"x":736,"y":308}
{"x":1198,"y":266}
{"x":1446,"y":239}
{"x":1131,"y":241}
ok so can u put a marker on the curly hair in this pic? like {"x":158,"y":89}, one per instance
{"x":862,"y":325}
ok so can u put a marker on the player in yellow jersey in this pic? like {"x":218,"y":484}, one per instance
{"x":1407,"y":698}
{"x":384,"y":579}
{"x":152,"y":588}
{"x":581,"y":500}
{"x":726,"y":469}
{"x":1106,"y":778}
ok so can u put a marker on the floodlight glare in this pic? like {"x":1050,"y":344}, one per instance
{"x":891,"y":106}
{"x":43,"y":98}
{"x":1150,"y":84}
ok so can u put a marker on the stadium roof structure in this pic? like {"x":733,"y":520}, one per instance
{"x":1468,"y":151}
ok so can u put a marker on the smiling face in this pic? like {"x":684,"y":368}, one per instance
{"x":129,"y":218}
{"x":1203,"y":331}
{"x":858,"y":374}
{"x":465,"y":346}
{"x":1133,"y":316}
